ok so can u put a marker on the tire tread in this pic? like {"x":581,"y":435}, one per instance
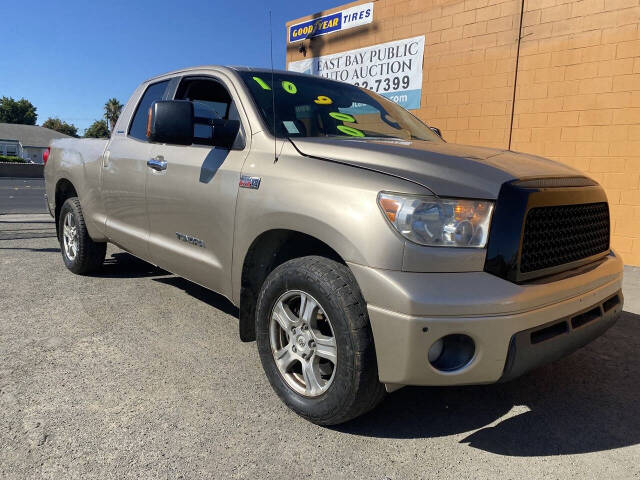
{"x":90,"y":254}
{"x":367,"y":391}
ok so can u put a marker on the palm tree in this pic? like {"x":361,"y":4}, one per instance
{"x":112,"y":111}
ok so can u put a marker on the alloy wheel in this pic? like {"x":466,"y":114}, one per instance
{"x":303,"y":343}
{"x":70,"y":236}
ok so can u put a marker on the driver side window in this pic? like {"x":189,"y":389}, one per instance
{"x":211,"y":101}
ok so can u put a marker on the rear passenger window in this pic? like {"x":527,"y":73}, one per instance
{"x":138,"y":128}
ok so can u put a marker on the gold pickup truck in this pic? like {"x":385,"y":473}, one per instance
{"x":363,"y":251}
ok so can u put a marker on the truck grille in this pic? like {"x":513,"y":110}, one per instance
{"x":563,"y":234}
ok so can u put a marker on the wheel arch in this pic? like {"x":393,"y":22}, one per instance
{"x":64,"y":189}
{"x":267,"y":251}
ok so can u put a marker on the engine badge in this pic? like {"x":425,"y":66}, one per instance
{"x":250,"y":182}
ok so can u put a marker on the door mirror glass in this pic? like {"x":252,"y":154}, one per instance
{"x":224,"y":132}
{"x":437,"y":131}
{"x":170,"y":121}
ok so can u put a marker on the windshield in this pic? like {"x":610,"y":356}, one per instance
{"x":309,"y":106}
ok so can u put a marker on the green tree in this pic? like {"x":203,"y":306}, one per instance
{"x":98,"y":129}
{"x":17,"y":111}
{"x":60,"y":126}
{"x":112,"y":111}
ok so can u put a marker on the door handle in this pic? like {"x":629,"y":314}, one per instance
{"x":158,"y":163}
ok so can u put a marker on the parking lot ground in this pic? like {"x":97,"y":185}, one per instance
{"x":22,"y":195}
{"x":137,"y":373}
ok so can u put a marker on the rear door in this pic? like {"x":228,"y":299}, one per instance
{"x":124,"y":177}
{"x":191,"y":204}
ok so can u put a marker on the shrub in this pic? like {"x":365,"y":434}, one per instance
{"x":5,"y":158}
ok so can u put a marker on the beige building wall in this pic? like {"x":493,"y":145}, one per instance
{"x":578,"y":82}
{"x":578,"y":99}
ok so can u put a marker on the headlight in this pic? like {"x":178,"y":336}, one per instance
{"x":438,"y":222}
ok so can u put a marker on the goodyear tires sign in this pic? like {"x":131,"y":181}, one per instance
{"x":393,"y":69}
{"x":342,"y":20}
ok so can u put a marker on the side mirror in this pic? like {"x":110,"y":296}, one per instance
{"x":437,"y":131}
{"x":224,"y":133}
{"x":170,"y":121}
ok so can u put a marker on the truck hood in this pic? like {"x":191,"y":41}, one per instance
{"x":445,"y":169}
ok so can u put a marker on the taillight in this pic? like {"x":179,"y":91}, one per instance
{"x":45,"y":155}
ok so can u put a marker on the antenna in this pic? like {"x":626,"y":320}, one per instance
{"x":273,"y":95}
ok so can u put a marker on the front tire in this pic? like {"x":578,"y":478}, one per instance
{"x":80,"y":253}
{"x":315,"y":341}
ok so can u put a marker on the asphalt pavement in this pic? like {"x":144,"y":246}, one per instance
{"x":137,"y":373}
{"x":22,"y":195}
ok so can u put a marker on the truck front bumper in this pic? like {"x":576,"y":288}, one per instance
{"x":513,"y":328}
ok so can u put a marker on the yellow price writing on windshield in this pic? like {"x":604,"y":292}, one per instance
{"x":353,"y":132}
{"x":290,"y":87}
{"x":342,"y":117}
{"x":323,"y":100}
{"x":262,"y":83}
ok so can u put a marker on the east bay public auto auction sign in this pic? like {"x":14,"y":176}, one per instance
{"x":342,"y":20}
{"x":392,"y":69}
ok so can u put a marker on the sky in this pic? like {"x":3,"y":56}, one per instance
{"x":69,"y":57}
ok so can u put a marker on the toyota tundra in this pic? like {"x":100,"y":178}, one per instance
{"x":363,"y":251}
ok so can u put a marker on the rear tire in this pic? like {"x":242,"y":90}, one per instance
{"x":336,"y":328}
{"x":80,"y":253}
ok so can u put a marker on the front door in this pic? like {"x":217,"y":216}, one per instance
{"x":191,"y":203}
{"x":124,"y":177}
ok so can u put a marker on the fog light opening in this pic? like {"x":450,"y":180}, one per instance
{"x":452,"y":352}
{"x":435,"y":351}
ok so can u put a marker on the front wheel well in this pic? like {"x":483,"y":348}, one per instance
{"x":268,"y":251}
{"x":64,"y":190}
